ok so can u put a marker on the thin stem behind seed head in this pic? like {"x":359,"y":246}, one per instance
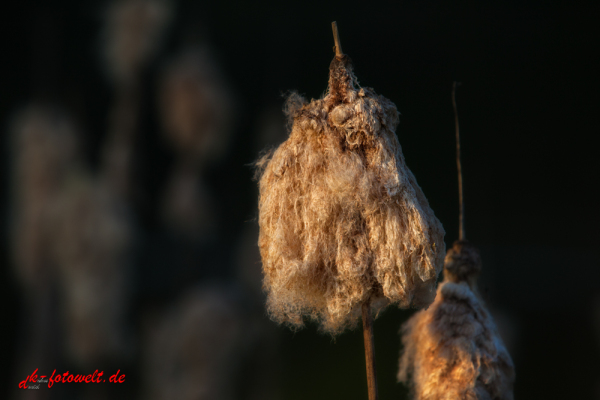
{"x":461,"y":204}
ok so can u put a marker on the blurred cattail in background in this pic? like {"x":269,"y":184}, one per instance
{"x":194,"y":349}
{"x":197,"y":112}
{"x":196,"y":106}
{"x":132,"y":35}
{"x":72,"y":242}
{"x":342,"y":219}
{"x":44,"y":148}
{"x":92,"y":248}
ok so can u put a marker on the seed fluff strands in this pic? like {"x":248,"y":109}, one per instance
{"x":453,"y":350}
{"x":342,"y":219}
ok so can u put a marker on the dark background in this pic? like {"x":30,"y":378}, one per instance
{"x":528,"y":108}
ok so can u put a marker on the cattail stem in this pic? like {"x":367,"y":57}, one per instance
{"x":461,"y":204}
{"x":336,"y":38}
{"x":369,"y":350}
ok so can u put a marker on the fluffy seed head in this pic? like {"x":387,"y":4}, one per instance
{"x":453,"y":350}
{"x":133,"y":30}
{"x":91,"y":246}
{"x":193,"y":351}
{"x":196,"y":105}
{"x":462,"y":263}
{"x":44,"y":148}
{"x":342,"y":219}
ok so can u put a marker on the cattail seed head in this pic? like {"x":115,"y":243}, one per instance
{"x":194,"y":350}
{"x":197,"y":106}
{"x":44,"y":147}
{"x":342,"y":219}
{"x":462,"y":263}
{"x":132,"y":34}
{"x":92,"y":247}
{"x":453,"y":350}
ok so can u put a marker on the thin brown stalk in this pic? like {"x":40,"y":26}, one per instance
{"x":366,"y":309}
{"x":336,"y":38}
{"x":369,"y":350}
{"x":461,"y":204}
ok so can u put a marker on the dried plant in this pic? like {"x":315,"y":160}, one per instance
{"x":194,"y":350}
{"x":70,"y":237}
{"x":342,"y":219}
{"x":132,"y":34}
{"x":44,"y":149}
{"x":92,"y":248}
{"x":453,"y":350}
{"x":197,"y":106}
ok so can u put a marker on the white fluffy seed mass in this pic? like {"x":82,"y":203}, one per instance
{"x":342,"y":219}
{"x":453,"y":350}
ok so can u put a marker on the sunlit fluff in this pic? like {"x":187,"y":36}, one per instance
{"x":342,"y":219}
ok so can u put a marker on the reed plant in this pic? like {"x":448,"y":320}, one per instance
{"x":345,"y":230}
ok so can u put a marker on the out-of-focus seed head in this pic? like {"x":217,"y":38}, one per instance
{"x":92,"y":248}
{"x":194,"y":350}
{"x":132,"y":34}
{"x":44,"y":150}
{"x":45,"y":147}
{"x":197,"y":106}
